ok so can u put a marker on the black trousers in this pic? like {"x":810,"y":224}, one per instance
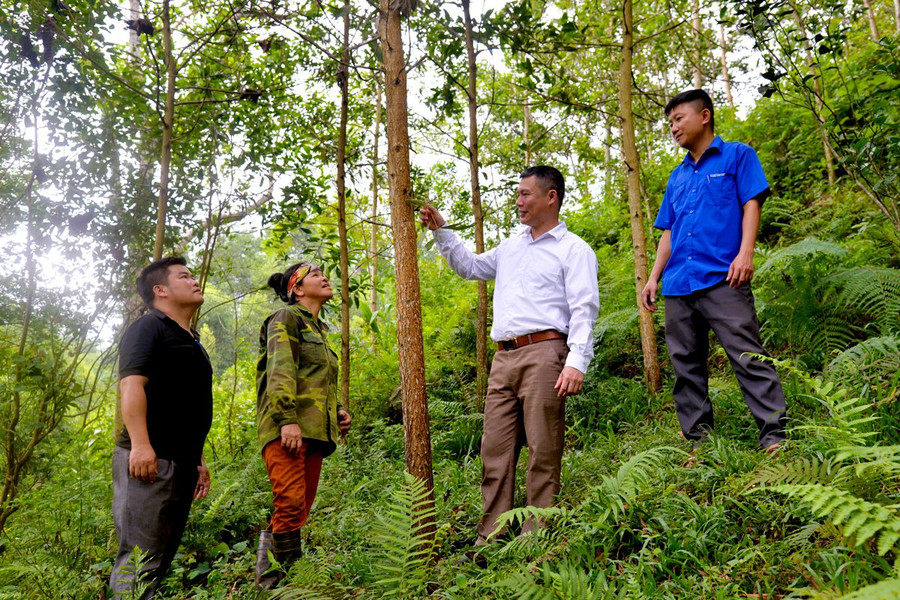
{"x":731,"y":314}
{"x":150,"y":516}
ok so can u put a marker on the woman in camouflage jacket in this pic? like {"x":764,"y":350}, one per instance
{"x":298,"y":417}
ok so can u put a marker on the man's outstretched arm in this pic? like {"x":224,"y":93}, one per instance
{"x":463,"y":261}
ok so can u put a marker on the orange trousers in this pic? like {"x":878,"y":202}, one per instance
{"x":295,"y":481}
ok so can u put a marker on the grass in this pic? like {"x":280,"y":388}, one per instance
{"x":703,"y":532}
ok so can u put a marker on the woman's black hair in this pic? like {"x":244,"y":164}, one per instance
{"x":279,"y":282}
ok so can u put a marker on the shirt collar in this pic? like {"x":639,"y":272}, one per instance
{"x":302,"y":309}
{"x":557,"y":232}
{"x":164,"y":317}
{"x":716,"y":145}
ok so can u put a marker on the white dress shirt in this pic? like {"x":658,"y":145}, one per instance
{"x":547,"y":283}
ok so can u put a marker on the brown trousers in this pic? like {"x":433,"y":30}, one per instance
{"x":522,"y":407}
{"x":295,"y":481}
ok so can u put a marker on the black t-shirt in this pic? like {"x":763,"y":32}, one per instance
{"x":179,"y":386}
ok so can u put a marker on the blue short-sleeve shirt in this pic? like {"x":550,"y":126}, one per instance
{"x":703,"y":206}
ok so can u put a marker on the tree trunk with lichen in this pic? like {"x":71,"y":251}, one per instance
{"x":481,"y":336}
{"x":168,"y":121}
{"x":343,"y":81}
{"x":633,"y":176}
{"x":410,"y":346}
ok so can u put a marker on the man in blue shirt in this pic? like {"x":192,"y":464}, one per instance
{"x":709,"y":218}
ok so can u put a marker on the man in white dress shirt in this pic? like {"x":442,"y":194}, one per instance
{"x":545,"y":304}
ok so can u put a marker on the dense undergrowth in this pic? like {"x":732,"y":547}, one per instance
{"x":635,"y":519}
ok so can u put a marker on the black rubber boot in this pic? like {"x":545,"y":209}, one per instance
{"x":288,"y":547}
{"x":265,"y":577}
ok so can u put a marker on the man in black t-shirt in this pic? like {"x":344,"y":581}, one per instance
{"x":164,"y":414}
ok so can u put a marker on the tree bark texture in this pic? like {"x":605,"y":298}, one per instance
{"x":343,"y":81}
{"x":527,"y":133}
{"x":723,"y":47}
{"x":410,"y":348}
{"x":698,"y":42}
{"x":870,"y":14}
{"x":481,"y":336}
{"x":633,"y":180}
{"x":168,"y":120}
{"x":134,"y":10}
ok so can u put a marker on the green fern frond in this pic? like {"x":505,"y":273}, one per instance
{"x":526,"y":588}
{"x":520,"y":515}
{"x":801,"y":538}
{"x":857,"y":518}
{"x":305,"y":592}
{"x":802,"y":250}
{"x":406,"y":544}
{"x":445,"y":408}
{"x":614,"y":322}
{"x":873,"y":291}
{"x":851,"y":417}
{"x":871,"y":459}
{"x":309,"y":581}
{"x":615,"y":492}
{"x":888,"y":589}
{"x":803,"y":471}
{"x":878,"y":355}
{"x":564,"y":582}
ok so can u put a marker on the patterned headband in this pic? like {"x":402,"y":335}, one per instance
{"x":298,"y":276}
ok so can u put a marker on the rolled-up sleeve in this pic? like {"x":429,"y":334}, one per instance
{"x":582,"y":296}
{"x":463,"y":261}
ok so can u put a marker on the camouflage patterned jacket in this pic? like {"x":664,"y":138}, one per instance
{"x":296,"y":378}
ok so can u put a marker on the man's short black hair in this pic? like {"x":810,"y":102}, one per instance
{"x":550,"y":178}
{"x":155,"y":274}
{"x":697,"y":95}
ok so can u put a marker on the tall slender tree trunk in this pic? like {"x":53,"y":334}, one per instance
{"x":134,"y":11}
{"x":723,"y":48}
{"x":870,"y":14}
{"x":143,"y":197}
{"x":481,"y":359}
{"x":897,"y":15}
{"x":633,"y":175}
{"x":168,"y":121}
{"x":527,"y":133}
{"x":817,"y":87}
{"x":343,"y":81}
{"x":11,"y":451}
{"x":373,"y":241}
{"x":698,"y":43}
{"x":410,"y":347}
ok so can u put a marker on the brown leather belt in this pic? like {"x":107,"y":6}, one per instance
{"x":531,"y":338}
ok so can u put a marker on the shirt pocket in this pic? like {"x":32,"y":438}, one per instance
{"x":721,"y":188}
{"x":677,"y":197}
{"x":313,"y":348}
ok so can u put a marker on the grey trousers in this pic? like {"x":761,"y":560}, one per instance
{"x":731,"y":314}
{"x":522,"y":407}
{"x":150,"y":516}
